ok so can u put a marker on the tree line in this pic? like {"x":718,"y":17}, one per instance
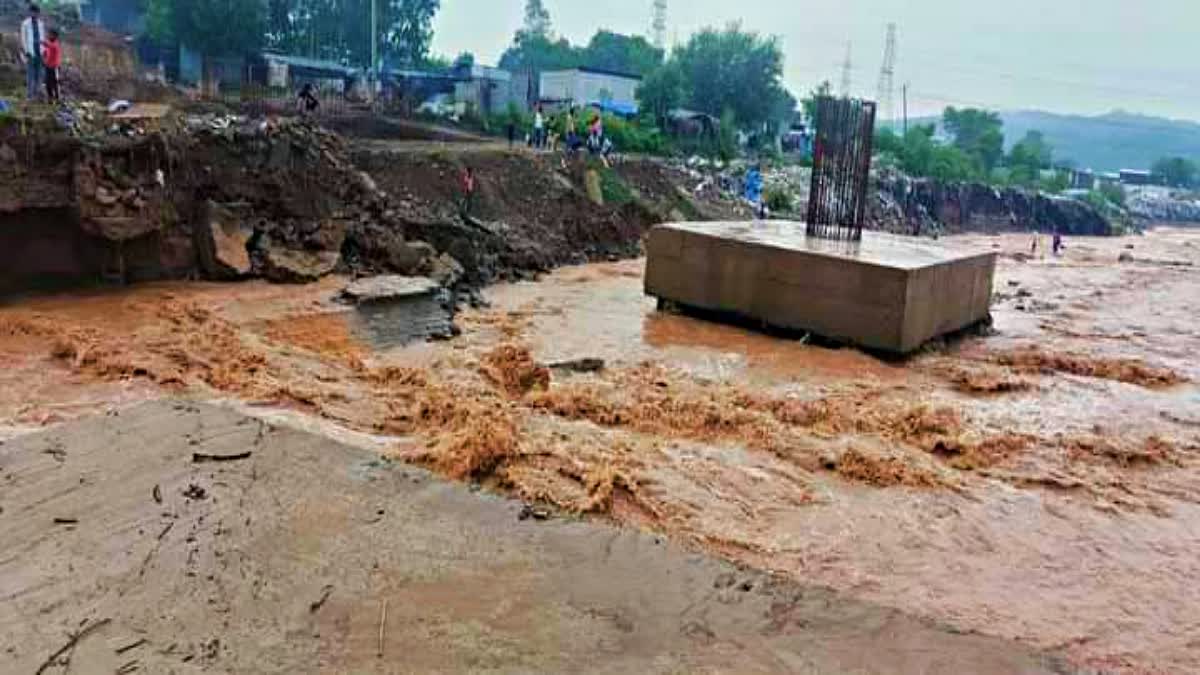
{"x":973,"y":150}
{"x":334,"y":30}
{"x":728,"y":73}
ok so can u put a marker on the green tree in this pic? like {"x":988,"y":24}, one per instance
{"x":537,"y":53}
{"x":978,"y":133}
{"x":1060,"y":181}
{"x":408,"y":30}
{"x":1028,"y":157}
{"x":1175,"y":172}
{"x":949,"y":163}
{"x":918,"y":154}
{"x":340,"y":30}
{"x":464,"y":61}
{"x":727,"y":135}
{"x":661,"y":92}
{"x":212,"y":27}
{"x":537,"y":19}
{"x":732,"y":69}
{"x":888,"y":142}
{"x":622,"y":53}
{"x":809,"y":104}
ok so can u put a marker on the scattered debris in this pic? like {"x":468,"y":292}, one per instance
{"x":165,"y":530}
{"x":200,"y":457}
{"x":131,"y":645}
{"x":585,"y":365}
{"x":536,"y":512}
{"x":71,"y":642}
{"x":382,"y":625}
{"x":66,"y":521}
{"x":320,"y":601}
{"x":195,"y":492}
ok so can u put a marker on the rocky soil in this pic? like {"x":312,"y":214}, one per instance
{"x":914,"y":206}
{"x":227,"y":197}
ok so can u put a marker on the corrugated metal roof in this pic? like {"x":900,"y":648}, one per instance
{"x":313,"y":64}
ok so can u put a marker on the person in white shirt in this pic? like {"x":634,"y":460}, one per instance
{"x":33,"y":36}
{"x":539,"y":128}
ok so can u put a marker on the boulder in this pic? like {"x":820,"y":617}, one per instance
{"x":595,"y":191}
{"x":408,"y":257}
{"x":221,"y":243}
{"x":291,"y":266}
{"x":446,"y":270}
{"x":328,"y":235}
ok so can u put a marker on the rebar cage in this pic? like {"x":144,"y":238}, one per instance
{"x":841,"y":168}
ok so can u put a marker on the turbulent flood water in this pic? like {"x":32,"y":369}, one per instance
{"x":1038,"y":484}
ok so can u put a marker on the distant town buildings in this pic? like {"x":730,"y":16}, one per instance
{"x":490,"y":90}
{"x":609,"y":90}
{"x":1132,"y":177}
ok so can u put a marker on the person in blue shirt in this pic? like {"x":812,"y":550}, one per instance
{"x":753,"y":189}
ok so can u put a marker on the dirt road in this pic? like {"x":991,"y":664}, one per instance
{"x":286,"y":552}
{"x":1037,"y":485}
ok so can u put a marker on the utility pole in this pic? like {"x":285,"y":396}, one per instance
{"x":905,"y":108}
{"x":846,"y":67}
{"x":886,"y":92}
{"x":374,"y":46}
{"x":658,"y":23}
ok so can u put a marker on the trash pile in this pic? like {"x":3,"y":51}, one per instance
{"x":1156,"y":206}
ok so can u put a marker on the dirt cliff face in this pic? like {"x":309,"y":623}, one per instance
{"x":918,"y":205}
{"x":130,"y":206}
{"x":222,"y":197}
{"x":528,"y":215}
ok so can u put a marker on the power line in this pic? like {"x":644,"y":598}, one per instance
{"x":946,"y":62}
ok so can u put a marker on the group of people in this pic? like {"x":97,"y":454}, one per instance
{"x":566,"y":130}
{"x":41,"y":50}
{"x":1056,"y":245}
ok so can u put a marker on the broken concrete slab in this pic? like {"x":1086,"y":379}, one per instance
{"x":292,"y":554}
{"x":388,"y":287}
{"x":886,"y":292}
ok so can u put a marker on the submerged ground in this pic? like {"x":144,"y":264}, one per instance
{"x":1040,"y":484}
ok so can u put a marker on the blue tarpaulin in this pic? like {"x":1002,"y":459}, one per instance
{"x":622,"y":109}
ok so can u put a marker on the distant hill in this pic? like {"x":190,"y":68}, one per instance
{"x":1111,"y":142}
{"x":1118,"y":140}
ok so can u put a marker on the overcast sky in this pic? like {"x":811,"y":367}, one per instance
{"x":1071,"y":56}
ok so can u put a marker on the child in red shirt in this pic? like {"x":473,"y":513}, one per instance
{"x":52,"y":58}
{"x":466,"y":183}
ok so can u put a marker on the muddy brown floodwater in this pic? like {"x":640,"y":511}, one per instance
{"x":1038,"y":484}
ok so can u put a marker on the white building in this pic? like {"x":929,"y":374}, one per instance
{"x":591,"y":86}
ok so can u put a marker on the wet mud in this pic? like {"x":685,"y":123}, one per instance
{"x":1037,"y":484}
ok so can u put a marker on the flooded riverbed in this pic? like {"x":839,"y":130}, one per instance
{"x":1039,"y":484}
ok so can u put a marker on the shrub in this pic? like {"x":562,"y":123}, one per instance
{"x":779,"y":200}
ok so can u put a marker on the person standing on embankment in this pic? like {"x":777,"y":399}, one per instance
{"x":33,"y":31}
{"x":52,"y":57}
